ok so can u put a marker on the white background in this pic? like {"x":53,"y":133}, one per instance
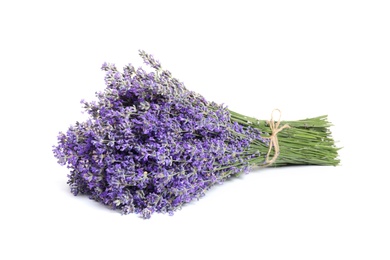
{"x":306,"y":58}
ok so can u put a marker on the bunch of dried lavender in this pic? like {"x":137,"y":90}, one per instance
{"x":151,"y":145}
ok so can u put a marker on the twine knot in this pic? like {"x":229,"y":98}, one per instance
{"x":275,"y":129}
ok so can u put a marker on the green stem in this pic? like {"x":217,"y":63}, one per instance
{"x":306,"y":142}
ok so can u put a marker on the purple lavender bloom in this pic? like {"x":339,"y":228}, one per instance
{"x":151,"y":145}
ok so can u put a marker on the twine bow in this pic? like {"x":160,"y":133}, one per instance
{"x":274,"y":138}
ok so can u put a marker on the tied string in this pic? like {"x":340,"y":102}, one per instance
{"x":275,"y":129}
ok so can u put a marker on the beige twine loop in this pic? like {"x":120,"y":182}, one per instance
{"x":274,"y":138}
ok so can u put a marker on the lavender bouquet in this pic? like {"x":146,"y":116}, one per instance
{"x":150,"y":145}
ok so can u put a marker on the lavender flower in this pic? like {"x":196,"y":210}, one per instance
{"x":150,"y":145}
